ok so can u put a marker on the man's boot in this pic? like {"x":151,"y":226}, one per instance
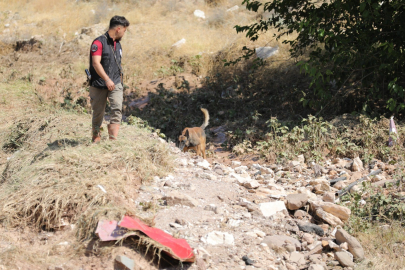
{"x":96,"y":135}
{"x":113,"y":131}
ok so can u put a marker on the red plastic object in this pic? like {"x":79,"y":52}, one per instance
{"x":108,"y":230}
{"x":178,"y":248}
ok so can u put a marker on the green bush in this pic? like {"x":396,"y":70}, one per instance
{"x":352,"y":50}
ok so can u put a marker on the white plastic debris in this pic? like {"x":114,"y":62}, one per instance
{"x":232,"y":9}
{"x":393,"y":130}
{"x":266,"y":52}
{"x":102,"y":189}
{"x":179,"y":43}
{"x":199,"y":14}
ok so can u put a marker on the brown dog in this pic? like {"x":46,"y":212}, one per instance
{"x":194,"y":138}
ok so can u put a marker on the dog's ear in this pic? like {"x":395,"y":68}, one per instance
{"x":187,"y":134}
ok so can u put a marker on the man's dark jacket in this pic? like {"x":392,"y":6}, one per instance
{"x":107,"y":61}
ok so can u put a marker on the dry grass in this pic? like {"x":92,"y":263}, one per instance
{"x":384,"y":248}
{"x":155,"y":26}
{"x":55,"y":172}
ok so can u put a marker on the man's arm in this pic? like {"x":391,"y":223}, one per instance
{"x":96,"y":61}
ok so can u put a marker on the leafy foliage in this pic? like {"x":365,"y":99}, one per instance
{"x":352,"y":50}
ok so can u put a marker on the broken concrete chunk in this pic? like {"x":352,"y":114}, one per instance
{"x":266,"y":52}
{"x":124,"y":263}
{"x":296,"y":201}
{"x":270,"y":208}
{"x":218,"y":238}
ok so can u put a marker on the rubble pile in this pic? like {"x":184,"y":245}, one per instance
{"x":262,"y":216}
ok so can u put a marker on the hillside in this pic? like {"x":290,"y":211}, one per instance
{"x":280,"y":189}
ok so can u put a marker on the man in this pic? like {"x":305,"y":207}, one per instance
{"x":106,"y":78}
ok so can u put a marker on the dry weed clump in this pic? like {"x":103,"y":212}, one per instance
{"x":58,"y":176}
{"x":384,"y":247}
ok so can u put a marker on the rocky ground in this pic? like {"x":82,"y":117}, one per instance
{"x":260,"y":216}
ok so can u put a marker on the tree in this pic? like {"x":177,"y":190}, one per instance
{"x":351,"y":48}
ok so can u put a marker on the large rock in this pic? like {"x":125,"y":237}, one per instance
{"x":328,"y":218}
{"x":270,"y":208}
{"x":218,"y":238}
{"x":354,"y":246}
{"x":296,"y":201}
{"x":278,"y":241}
{"x":176,"y":197}
{"x":337,"y":210}
{"x":344,"y":259}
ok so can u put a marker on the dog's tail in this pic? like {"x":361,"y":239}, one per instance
{"x":206,"y":118}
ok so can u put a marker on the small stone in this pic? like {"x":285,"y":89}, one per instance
{"x":329,"y":197}
{"x":180,"y":221}
{"x":267,"y":171}
{"x":344,"y":246}
{"x":207,"y":176}
{"x":259,"y":233}
{"x":344,"y":259}
{"x":297,"y":258}
{"x":340,"y":185}
{"x":308,"y":238}
{"x":278,"y":241}
{"x":296,"y":201}
{"x":290,"y":247}
{"x":176,"y":197}
{"x":235,"y":163}
{"x":300,"y":214}
{"x":247,"y":260}
{"x":175,"y":225}
{"x":252,"y":184}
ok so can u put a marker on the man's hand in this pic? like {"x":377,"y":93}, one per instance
{"x":110,"y":84}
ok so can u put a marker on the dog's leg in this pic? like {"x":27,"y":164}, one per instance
{"x":198,"y":149}
{"x":203,"y":148}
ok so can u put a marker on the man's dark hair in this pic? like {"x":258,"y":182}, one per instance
{"x":118,"y":20}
